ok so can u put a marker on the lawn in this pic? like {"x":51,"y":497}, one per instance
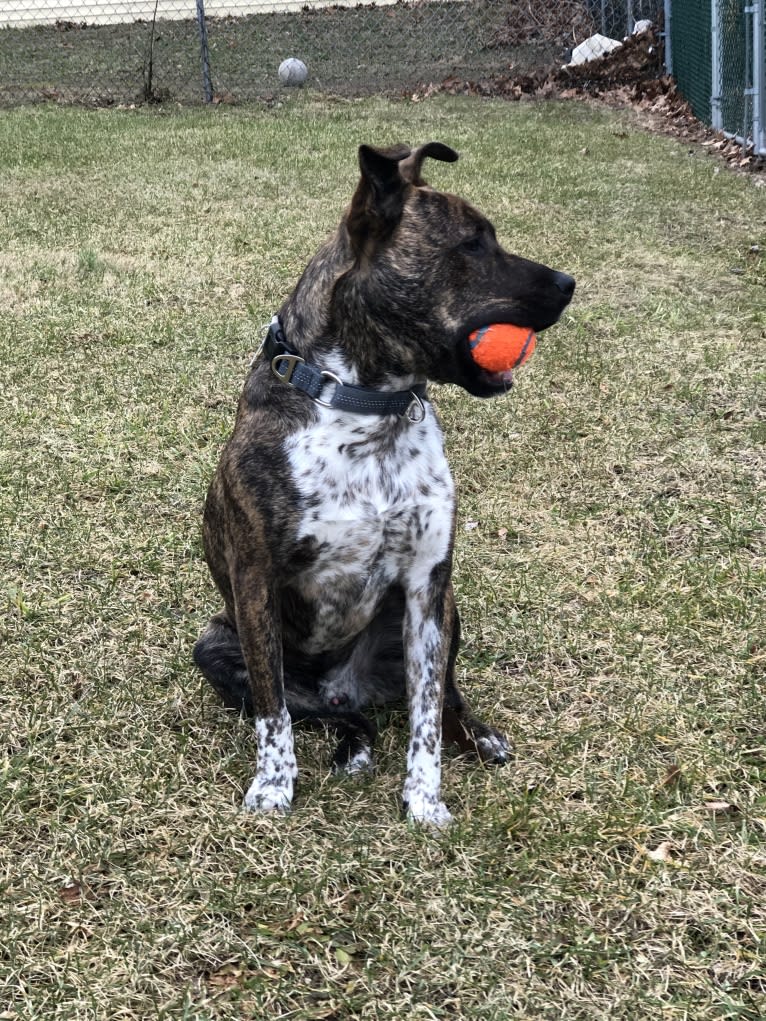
{"x":611,"y":570}
{"x":358,"y":50}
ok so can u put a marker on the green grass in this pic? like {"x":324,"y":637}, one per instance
{"x":612,"y":589}
{"x":358,"y":50}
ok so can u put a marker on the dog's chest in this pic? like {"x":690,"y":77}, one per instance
{"x":377,"y":507}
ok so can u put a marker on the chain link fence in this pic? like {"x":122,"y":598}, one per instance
{"x":717,"y":56}
{"x":690,"y":49}
{"x":738,"y":70}
{"x":129,"y":51}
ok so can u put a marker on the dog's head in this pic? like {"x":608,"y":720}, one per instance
{"x":428,"y":265}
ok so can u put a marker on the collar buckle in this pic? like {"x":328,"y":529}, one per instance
{"x":284,"y":365}
{"x":327,"y":377}
{"x":415,"y":412}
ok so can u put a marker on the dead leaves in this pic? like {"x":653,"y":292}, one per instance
{"x":471,"y":525}
{"x":673,"y":777}
{"x":631,"y":76}
{"x":662,"y":853}
{"x":719,"y":809}
{"x":71,"y":892}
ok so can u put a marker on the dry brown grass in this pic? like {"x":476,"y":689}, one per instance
{"x":612,"y":590}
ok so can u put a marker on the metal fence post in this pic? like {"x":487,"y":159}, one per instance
{"x":202,"y":26}
{"x":668,"y":14}
{"x":758,"y":81}
{"x":716,"y":91}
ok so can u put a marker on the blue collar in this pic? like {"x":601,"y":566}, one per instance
{"x":291,"y":369}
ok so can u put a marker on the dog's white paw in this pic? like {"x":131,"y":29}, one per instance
{"x":272,"y":786}
{"x":360,"y":763}
{"x":265,"y":796}
{"x":428,"y":811}
{"x":493,"y":748}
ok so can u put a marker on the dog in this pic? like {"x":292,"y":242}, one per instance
{"x":330,"y":522}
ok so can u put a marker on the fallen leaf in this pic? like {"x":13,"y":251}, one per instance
{"x":70,"y":893}
{"x":720,"y":808}
{"x":673,"y":776}
{"x":226,"y":976}
{"x":661,"y":853}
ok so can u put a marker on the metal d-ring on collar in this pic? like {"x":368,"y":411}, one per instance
{"x":290,"y":368}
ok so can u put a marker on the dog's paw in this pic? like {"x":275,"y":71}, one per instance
{"x":427,"y":811}
{"x":493,"y":747}
{"x":265,"y":796}
{"x":358,"y":764}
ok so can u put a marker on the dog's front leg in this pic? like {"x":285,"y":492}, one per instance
{"x":259,"y":633}
{"x":427,"y":632}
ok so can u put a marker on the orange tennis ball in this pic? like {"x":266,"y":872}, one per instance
{"x":502,"y":346}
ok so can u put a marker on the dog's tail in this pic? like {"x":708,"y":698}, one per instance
{"x":218,"y":655}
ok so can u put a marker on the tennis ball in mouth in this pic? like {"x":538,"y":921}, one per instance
{"x":502,"y":346}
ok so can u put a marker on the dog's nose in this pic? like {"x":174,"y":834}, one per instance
{"x":565,"y":284}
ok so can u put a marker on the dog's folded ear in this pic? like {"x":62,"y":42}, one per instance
{"x":410,"y":167}
{"x":377,"y":205}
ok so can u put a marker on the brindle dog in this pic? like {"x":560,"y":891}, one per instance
{"x":329,"y":525}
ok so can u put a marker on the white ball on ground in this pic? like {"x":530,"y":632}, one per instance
{"x":293,"y":71}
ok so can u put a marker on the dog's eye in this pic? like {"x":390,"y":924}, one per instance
{"x":473,"y":245}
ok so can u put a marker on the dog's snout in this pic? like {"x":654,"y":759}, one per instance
{"x":565,"y":284}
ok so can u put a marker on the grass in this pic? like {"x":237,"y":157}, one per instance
{"x":358,"y":50}
{"x":611,"y":568}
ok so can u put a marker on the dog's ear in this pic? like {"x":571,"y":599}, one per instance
{"x":376,"y":207}
{"x":410,"y":167}
{"x":378,"y":201}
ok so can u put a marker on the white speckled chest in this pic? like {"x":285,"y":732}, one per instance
{"x":378,"y":501}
